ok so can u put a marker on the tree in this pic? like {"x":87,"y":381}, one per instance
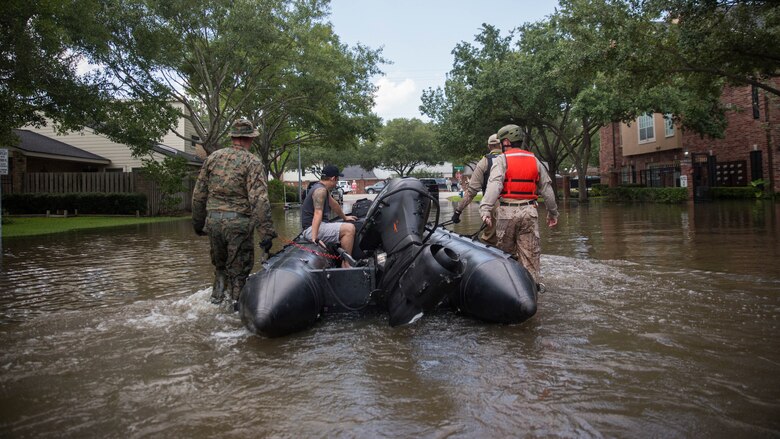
{"x":402,"y":146}
{"x":324,"y":98}
{"x":42,"y":44}
{"x":492,"y":85}
{"x":209,"y":55}
{"x":735,"y":40}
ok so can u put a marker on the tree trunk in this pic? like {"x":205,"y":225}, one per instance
{"x":582,"y":163}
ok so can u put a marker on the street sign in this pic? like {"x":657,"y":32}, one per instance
{"x":458,"y":168}
{"x":3,"y":162}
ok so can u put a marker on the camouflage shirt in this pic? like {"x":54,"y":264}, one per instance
{"x":233,"y":180}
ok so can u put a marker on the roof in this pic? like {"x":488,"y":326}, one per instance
{"x":173,"y":152}
{"x":35,"y":144}
{"x":357,"y":173}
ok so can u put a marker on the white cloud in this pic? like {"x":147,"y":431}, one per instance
{"x":397,"y":99}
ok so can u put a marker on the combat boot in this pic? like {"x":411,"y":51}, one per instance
{"x":220,"y":285}
{"x":236,"y":285}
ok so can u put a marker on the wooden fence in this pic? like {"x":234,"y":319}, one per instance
{"x":103,"y":182}
{"x":67,"y":182}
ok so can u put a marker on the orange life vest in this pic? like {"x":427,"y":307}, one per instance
{"x":521,"y":175}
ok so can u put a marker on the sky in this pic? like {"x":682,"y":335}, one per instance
{"x":418,"y":38}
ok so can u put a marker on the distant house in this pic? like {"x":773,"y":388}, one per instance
{"x":654,"y":152}
{"x":46,"y":161}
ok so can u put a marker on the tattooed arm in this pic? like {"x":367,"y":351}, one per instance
{"x":336,"y":208}
{"x":318,"y":197}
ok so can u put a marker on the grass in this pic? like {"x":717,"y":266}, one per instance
{"x":477,"y":198}
{"x":20,"y":226}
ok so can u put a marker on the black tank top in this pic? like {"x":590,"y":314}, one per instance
{"x":307,"y":208}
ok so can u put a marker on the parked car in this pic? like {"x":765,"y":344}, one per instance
{"x":345,"y":186}
{"x":376,"y":187}
{"x":432,"y":185}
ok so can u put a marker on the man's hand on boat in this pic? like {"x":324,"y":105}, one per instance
{"x":487,"y":220}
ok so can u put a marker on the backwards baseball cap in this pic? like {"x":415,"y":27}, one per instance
{"x":243,"y":128}
{"x":331,"y":171}
{"x":493,"y":140}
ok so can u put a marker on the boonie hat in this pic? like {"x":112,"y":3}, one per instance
{"x":331,"y":171}
{"x":493,"y":139}
{"x":243,"y":128}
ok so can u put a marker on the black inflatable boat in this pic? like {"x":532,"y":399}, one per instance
{"x":401,"y":263}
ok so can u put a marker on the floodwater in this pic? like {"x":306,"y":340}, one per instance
{"x":658,"y":321}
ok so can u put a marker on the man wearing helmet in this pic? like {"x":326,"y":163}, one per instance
{"x":479,"y":181}
{"x":515,"y":179}
{"x":229,"y":201}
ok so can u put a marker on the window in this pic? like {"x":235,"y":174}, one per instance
{"x":668,"y":125}
{"x":646,"y":128}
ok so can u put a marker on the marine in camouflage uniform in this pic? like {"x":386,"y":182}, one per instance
{"x":478,"y":182}
{"x":515,"y":179}
{"x":229,"y":201}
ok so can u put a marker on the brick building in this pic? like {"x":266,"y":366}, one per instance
{"x":654,"y":152}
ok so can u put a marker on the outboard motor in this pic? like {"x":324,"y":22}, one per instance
{"x":415,"y":274}
{"x":424,"y":285}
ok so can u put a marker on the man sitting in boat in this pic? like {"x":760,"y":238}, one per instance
{"x":317,"y":205}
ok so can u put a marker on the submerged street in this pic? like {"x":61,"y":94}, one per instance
{"x":658,"y":321}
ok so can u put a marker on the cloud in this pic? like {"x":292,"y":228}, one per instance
{"x":397,"y":99}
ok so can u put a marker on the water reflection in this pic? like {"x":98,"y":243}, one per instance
{"x":659,"y":321}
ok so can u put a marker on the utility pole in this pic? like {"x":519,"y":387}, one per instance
{"x":300,"y":185}
{"x":3,"y":171}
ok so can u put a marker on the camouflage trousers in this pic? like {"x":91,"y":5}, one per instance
{"x":232,"y":254}
{"x":517,"y":232}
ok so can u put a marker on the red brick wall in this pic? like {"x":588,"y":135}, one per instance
{"x":743,"y":134}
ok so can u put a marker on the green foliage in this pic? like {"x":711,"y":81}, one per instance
{"x":599,"y":190}
{"x":85,"y":203}
{"x":666,"y":195}
{"x":737,"y":192}
{"x":402,"y":146}
{"x":424,"y":173}
{"x":40,"y":46}
{"x":275,"y":191}
{"x":758,"y":186}
{"x":169,"y":175}
{"x":709,"y":41}
{"x":45,"y":226}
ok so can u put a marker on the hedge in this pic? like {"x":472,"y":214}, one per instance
{"x":739,"y":192}
{"x":85,"y":203}
{"x":669,"y":195}
{"x":276,"y":192}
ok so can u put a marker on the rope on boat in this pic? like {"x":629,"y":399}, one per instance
{"x":307,"y":249}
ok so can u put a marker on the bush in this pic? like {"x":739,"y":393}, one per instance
{"x":731,"y":193}
{"x":598,"y":189}
{"x":85,"y":203}
{"x":276,"y":192}
{"x":667,"y":195}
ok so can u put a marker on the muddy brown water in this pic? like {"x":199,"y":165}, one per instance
{"x":658,"y":321}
